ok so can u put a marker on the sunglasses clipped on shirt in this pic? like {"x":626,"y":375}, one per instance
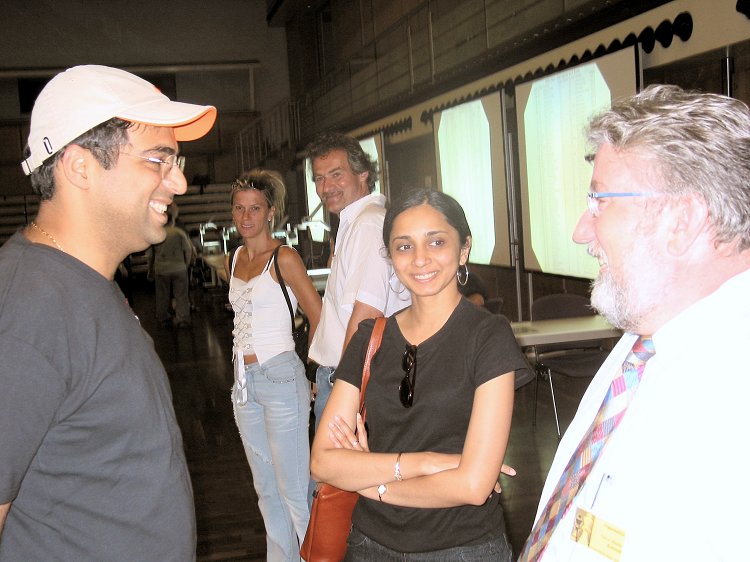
{"x":409,"y":365}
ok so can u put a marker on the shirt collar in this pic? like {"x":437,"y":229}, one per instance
{"x":351,"y":211}
{"x":710,"y":310}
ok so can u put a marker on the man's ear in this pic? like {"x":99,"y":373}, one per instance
{"x":688,"y":219}
{"x":77,"y":165}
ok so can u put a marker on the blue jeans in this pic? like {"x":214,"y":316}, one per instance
{"x":361,"y":548}
{"x":273,"y":424}
{"x":324,"y":382}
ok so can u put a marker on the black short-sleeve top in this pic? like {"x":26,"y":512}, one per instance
{"x":472,"y":348}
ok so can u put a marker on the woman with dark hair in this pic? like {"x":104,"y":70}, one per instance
{"x":271,"y":394}
{"x":439,"y":405}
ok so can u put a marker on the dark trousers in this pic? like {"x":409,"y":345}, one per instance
{"x":169,"y":285}
{"x":361,"y":548}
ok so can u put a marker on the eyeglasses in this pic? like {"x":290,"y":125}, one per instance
{"x":166,"y":164}
{"x":409,"y":365}
{"x":245,"y":183}
{"x":593,"y":198}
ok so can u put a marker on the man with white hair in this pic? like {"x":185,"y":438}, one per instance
{"x":91,"y":459}
{"x":669,"y":222}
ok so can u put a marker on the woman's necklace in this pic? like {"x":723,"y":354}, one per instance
{"x":48,"y":235}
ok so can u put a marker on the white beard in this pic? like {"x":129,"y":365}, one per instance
{"x":611,"y":301}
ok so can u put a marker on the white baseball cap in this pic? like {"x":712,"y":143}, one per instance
{"x":83,"y":97}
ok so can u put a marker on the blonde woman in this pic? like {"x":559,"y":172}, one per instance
{"x":271,"y":395}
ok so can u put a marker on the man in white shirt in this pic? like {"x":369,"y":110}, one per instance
{"x":361,"y":283}
{"x":669,"y":222}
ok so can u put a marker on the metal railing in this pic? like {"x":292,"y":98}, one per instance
{"x":434,"y":38}
{"x":274,"y":130}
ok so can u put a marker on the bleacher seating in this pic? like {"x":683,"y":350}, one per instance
{"x":205,"y":204}
{"x":16,"y":211}
{"x":199,"y":205}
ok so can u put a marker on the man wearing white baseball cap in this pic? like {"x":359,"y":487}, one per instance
{"x":91,"y":458}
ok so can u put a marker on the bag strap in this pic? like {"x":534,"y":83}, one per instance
{"x":275,"y":258}
{"x":372,"y":348}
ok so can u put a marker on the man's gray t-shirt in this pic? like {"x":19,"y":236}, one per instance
{"x":90,"y":453}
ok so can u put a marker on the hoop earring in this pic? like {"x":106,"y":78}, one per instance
{"x":398,"y":282}
{"x":465,"y":275}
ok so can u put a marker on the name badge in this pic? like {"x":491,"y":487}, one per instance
{"x":597,"y":534}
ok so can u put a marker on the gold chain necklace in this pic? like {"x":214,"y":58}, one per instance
{"x":48,"y":235}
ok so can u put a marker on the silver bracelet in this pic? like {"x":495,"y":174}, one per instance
{"x":397,"y":468}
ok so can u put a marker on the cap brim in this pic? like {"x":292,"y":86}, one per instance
{"x":198,"y":127}
{"x":188,"y":120}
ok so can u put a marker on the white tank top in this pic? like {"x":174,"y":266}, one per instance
{"x":261,"y":316}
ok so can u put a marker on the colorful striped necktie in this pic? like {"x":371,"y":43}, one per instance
{"x":610,"y":413}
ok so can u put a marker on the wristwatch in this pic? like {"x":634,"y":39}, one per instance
{"x":382,"y":489}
